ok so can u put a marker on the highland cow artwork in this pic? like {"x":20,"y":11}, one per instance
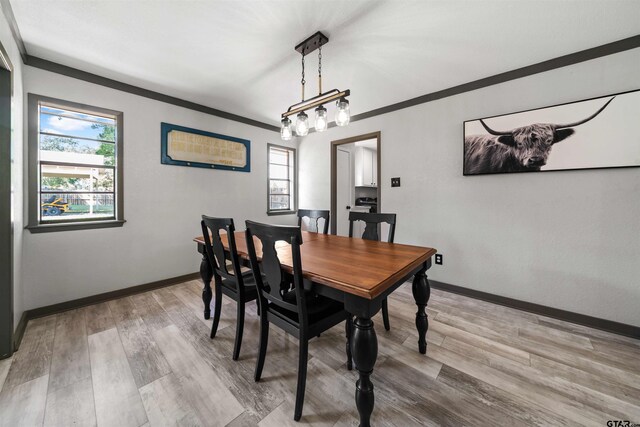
{"x":591,"y":134}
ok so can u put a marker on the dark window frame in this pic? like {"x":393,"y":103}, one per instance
{"x":293,"y":181}
{"x":35,"y":225}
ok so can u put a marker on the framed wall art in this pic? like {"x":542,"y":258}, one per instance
{"x":591,"y":134}
{"x":183,"y":146}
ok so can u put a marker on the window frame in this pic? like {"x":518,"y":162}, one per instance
{"x":293,"y":192}
{"x":35,"y":225}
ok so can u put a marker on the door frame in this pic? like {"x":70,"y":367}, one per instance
{"x":334,"y":181}
{"x":351,"y":182}
{"x":6,"y":222}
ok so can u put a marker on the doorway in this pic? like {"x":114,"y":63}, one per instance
{"x":355,"y":168}
{"x":6,"y":226}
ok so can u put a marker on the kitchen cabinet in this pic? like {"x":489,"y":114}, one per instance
{"x":366,"y":167}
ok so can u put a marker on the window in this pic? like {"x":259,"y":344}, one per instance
{"x":282,"y":180}
{"x":75,"y":166}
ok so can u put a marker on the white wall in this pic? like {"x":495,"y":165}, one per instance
{"x":17,"y":170}
{"x":569,"y":240}
{"x":162,"y":203}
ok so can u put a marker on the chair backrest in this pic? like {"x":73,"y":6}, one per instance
{"x":214,"y":249}
{"x":271,"y":281}
{"x":372,"y":220}
{"x":314,"y":216}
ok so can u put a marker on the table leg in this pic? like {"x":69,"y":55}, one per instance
{"x":364,"y":346}
{"x":421,"y":293}
{"x":206,"y":273}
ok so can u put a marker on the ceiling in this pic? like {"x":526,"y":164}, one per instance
{"x":238,"y":56}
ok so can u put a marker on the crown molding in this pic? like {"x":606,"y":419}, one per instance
{"x":518,"y":73}
{"x":75,"y":73}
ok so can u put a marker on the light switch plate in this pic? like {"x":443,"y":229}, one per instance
{"x":395,"y":182}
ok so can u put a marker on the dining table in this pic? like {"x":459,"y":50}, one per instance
{"x":357,"y":272}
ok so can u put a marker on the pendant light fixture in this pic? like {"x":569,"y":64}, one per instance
{"x":342,"y":114}
{"x":286,"y":131}
{"x":321,"y":112}
{"x":302,"y":124}
{"x":321,"y":119}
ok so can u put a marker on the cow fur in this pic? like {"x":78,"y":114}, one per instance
{"x":526,"y":149}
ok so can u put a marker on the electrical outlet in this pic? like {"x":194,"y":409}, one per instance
{"x":395,"y":182}
{"x":439,"y":259}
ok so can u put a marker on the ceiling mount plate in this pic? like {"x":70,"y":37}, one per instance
{"x":312,"y":43}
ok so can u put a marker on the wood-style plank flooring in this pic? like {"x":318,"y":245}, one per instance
{"x":147,"y":360}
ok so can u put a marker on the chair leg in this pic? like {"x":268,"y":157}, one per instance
{"x":262,"y":352}
{"x":302,"y":377}
{"x":239,"y":329}
{"x":217,"y":309}
{"x":385,"y":314}
{"x":348,"y":326}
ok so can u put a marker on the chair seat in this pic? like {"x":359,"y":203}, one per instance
{"x":318,"y":307}
{"x":250,"y":290}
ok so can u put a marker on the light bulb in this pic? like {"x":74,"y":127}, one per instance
{"x":321,"y":119}
{"x":302,"y":124}
{"x":342,"y":112}
{"x":286,"y":132}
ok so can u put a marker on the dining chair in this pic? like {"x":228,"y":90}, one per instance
{"x":230,"y":278}
{"x":314,"y":216}
{"x":372,"y":221}
{"x":285,"y":303}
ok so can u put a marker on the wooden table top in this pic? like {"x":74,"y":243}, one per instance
{"x":360,"y":267}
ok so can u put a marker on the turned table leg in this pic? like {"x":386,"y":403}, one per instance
{"x":206,"y":273}
{"x":364,"y":347}
{"x":421,"y":293}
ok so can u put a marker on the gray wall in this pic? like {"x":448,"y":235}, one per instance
{"x":17,"y":169}
{"x":162,"y":203}
{"x":568,"y":240}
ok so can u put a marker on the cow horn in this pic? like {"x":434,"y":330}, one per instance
{"x":585,"y":120}
{"x":491,"y":131}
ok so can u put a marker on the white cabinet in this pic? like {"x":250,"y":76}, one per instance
{"x":366,"y":167}
{"x":374,"y":168}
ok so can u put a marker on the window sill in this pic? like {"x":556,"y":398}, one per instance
{"x":70,"y":226}
{"x":273,"y":213}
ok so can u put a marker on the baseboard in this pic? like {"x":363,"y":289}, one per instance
{"x":556,"y":313}
{"x":107,"y":296}
{"x":19,"y":332}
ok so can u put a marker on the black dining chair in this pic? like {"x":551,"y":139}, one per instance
{"x":284,"y":302}
{"x":373,"y":221}
{"x":314,"y":216}
{"x":229,"y":277}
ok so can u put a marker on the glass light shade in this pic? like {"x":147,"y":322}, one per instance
{"x":302,"y":124}
{"x":286,"y":131}
{"x":321,"y":119}
{"x":342,"y":112}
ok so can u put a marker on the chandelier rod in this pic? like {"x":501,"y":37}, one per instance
{"x":320,"y":69}
{"x":303,"y":80}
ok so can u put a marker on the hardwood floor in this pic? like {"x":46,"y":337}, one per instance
{"x":147,"y":360}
